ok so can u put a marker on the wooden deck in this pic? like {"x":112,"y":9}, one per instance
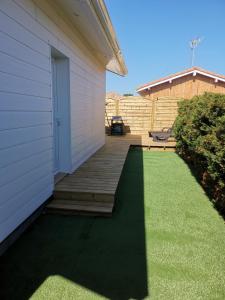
{"x":91,"y":189}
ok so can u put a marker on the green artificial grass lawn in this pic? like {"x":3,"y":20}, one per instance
{"x":164,"y":241}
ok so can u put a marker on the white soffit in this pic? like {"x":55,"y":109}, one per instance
{"x":91,"y":19}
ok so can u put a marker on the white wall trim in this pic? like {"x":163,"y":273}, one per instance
{"x":194,"y":72}
{"x":63,"y":95}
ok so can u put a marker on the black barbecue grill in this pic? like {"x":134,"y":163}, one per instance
{"x":117,"y":125}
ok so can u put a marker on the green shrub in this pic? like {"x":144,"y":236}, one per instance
{"x":200,"y":133}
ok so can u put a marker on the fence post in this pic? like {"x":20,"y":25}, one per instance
{"x":117,"y":107}
{"x":153,"y":113}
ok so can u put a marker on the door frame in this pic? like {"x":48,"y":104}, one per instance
{"x":61,"y":85}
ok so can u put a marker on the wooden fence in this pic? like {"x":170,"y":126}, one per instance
{"x":142,"y":114}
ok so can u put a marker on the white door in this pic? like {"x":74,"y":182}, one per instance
{"x":61,"y":112}
{"x":56,"y":118}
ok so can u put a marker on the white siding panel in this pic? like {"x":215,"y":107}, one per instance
{"x":9,"y":156}
{"x":13,"y":66}
{"x":17,"y":102}
{"x":34,"y":196}
{"x":15,"y":84}
{"x":11,"y":204}
{"x":23,"y":119}
{"x":20,"y":136}
{"x":12,"y":47}
{"x":21,"y":168}
{"x":15,"y":30}
{"x":26,"y":175}
{"x":19,"y":12}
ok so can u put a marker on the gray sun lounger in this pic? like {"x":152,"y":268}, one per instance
{"x":161,"y":136}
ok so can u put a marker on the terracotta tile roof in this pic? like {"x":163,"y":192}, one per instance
{"x":180,"y":74}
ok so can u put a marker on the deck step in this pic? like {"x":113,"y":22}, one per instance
{"x":80,"y":207}
{"x":75,"y":202}
{"x":91,"y":189}
{"x":73,"y":195}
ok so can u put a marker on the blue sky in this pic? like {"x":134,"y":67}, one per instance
{"x":154,"y":37}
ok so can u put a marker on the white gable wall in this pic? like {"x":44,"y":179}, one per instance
{"x":26,"y":139}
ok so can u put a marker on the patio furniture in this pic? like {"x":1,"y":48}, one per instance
{"x":117,"y":125}
{"x":161,"y":136}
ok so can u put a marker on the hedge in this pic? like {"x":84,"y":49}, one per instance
{"x":200,"y":133}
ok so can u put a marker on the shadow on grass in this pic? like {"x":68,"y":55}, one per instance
{"x":106,"y":256}
{"x":208,"y":189}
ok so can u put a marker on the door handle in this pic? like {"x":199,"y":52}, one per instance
{"x":58,"y":122}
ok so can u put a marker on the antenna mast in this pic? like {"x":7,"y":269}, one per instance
{"x":193,"y":44}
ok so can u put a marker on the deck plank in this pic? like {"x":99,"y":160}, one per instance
{"x":92,"y":187}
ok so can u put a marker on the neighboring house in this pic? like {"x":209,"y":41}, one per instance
{"x":165,"y":93}
{"x":53,"y":60}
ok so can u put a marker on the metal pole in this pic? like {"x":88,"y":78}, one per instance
{"x":194,"y":44}
{"x":192,"y":56}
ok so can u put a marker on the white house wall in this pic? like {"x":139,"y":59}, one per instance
{"x":26,"y":151}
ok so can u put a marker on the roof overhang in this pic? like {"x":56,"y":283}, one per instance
{"x":170,"y":79}
{"x":91,"y":19}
